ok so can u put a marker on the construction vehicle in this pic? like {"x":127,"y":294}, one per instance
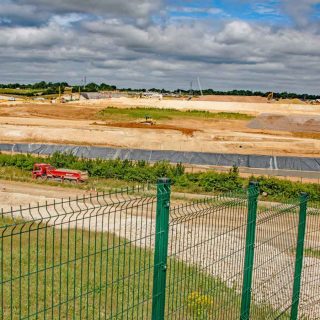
{"x":148,"y":120}
{"x":45,"y":171}
{"x":270,"y":97}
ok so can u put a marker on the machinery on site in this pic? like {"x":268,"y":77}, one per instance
{"x":45,"y":171}
{"x":270,"y":97}
{"x":148,"y":120}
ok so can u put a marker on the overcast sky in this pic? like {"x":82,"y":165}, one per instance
{"x":232,"y":44}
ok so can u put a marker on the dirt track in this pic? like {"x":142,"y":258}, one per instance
{"x":20,"y":193}
{"x":73,"y":123}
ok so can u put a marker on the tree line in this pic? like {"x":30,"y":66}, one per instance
{"x":55,"y":87}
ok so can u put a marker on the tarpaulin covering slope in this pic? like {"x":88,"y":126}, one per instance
{"x":196,"y":158}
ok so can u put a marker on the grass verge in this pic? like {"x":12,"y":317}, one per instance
{"x":112,"y":113}
{"x":106,"y":174}
{"x":59,"y":273}
{"x":98,"y":184}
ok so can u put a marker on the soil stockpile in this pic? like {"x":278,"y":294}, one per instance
{"x":291,"y":123}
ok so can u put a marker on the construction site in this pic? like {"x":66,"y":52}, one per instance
{"x":259,"y":135}
{"x":248,"y":125}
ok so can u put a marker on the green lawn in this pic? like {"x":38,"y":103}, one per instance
{"x":56,"y":273}
{"x":112,"y":113}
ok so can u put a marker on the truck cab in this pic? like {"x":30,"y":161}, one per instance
{"x":40,"y":170}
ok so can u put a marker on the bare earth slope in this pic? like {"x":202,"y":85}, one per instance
{"x":76,"y":123}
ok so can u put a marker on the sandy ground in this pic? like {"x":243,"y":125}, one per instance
{"x":74,"y":124}
{"x":253,"y":108}
{"x":13,"y":194}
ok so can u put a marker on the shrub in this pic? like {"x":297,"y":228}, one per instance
{"x":142,"y":172}
{"x":200,"y":304}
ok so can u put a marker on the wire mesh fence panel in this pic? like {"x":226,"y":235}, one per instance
{"x":274,"y":262}
{"x":84,"y":258}
{"x":309,"y":307}
{"x":128,"y":255}
{"x":206,"y":257}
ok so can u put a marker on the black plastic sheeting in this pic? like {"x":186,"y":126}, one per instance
{"x":196,"y":158}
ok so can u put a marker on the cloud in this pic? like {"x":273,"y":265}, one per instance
{"x":12,"y":13}
{"x":267,"y":8}
{"x":134,"y":8}
{"x":106,"y":43}
{"x":39,"y":12}
{"x":197,"y":10}
{"x":300,"y":10}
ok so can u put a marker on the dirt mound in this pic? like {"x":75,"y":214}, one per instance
{"x":50,"y":111}
{"x":291,"y":123}
{"x":135,"y":125}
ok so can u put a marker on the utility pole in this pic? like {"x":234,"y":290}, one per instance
{"x":191,"y":89}
{"x":200,"y":86}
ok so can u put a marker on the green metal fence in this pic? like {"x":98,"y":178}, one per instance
{"x":309,"y":304}
{"x":130,"y":254}
{"x":206,"y":258}
{"x":86,"y":258}
{"x":275,"y":264}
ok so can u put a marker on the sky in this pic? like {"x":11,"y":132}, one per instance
{"x":271,"y":45}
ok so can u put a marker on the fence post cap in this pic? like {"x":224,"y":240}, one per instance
{"x":164,"y":181}
{"x":304,"y":195}
{"x":253,"y":184}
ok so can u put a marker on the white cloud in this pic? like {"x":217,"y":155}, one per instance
{"x":112,"y":47}
{"x":267,"y":8}
{"x":67,"y":19}
{"x":299,"y":10}
{"x":134,"y":8}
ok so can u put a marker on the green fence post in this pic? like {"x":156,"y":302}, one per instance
{"x":161,"y":248}
{"x":299,"y":256}
{"x":253,"y":193}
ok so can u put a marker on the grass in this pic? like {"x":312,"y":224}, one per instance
{"x":19,"y":91}
{"x":11,"y":173}
{"x":59,"y":273}
{"x":314,"y":253}
{"x":99,"y":184}
{"x":112,"y":113}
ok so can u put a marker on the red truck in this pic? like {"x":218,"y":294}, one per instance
{"x":46,"y":171}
